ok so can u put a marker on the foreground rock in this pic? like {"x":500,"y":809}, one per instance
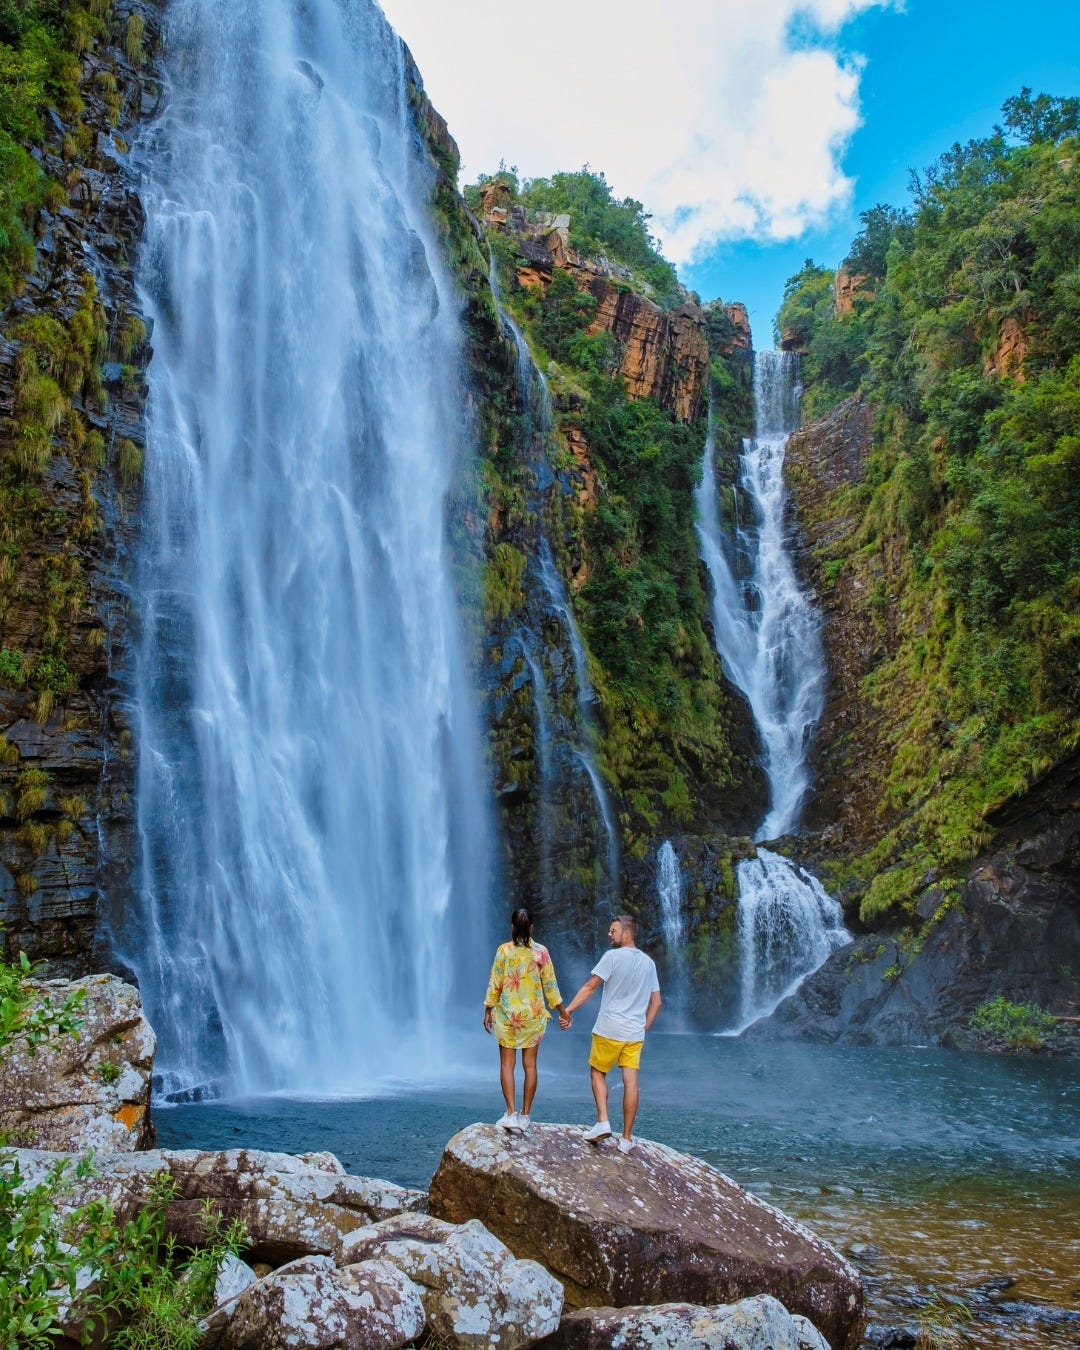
{"x":475,"y":1292}
{"x":93,"y":1090}
{"x":759,"y":1323}
{"x":312,"y":1305}
{"x":654,"y":1226}
{"x":289,"y":1207}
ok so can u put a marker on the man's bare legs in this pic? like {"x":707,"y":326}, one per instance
{"x":629,"y":1101}
{"x":600,"y":1093}
{"x":528,"y":1063}
{"x":507,"y":1062}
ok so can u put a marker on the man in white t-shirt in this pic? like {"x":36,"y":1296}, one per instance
{"x":628,"y":1008}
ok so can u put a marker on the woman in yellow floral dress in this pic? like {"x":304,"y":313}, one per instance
{"x":522,"y":976}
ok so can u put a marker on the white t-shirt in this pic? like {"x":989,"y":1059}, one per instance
{"x":629,"y":978}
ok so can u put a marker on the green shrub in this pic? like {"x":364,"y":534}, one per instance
{"x":1021,"y":1025}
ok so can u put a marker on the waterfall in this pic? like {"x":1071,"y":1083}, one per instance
{"x":540,"y":420}
{"x":314,"y":850}
{"x":769,"y":639}
{"x":767,"y":631}
{"x":787,"y":926}
{"x":669,"y":891}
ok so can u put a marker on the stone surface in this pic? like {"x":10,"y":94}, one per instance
{"x":476,"y":1293}
{"x":846,"y":287}
{"x":290,"y":1209}
{"x":85,"y":1092}
{"x":664,"y":354}
{"x":1014,"y":931}
{"x":655,"y":1226}
{"x":312,"y":1305}
{"x":60,"y":860}
{"x":758,"y":1323}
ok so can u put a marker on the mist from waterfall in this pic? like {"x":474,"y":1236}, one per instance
{"x":314,"y":851}
{"x":769,"y":639}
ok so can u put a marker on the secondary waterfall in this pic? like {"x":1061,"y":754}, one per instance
{"x":769,"y":640}
{"x":314,"y":855}
{"x":669,"y":891}
{"x":539,"y":422}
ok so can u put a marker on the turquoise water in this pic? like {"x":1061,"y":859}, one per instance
{"x":943,"y":1175}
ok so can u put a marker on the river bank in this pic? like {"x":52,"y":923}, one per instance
{"x":943,"y":1175}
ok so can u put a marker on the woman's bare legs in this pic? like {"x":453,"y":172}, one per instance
{"x":528,"y":1063}
{"x":507,"y":1063}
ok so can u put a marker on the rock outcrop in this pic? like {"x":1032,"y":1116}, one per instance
{"x":290,"y":1208}
{"x":664,"y":355}
{"x":655,"y":1226}
{"x":1012,"y":930}
{"x":758,"y":1323}
{"x":94,"y":1088}
{"x":311,"y":1304}
{"x":476,"y":1293}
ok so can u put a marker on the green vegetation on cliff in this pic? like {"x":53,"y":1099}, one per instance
{"x":964,"y":335}
{"x":599,"y":222}
{"x":625,"y":514}
{"x":40,"y":43}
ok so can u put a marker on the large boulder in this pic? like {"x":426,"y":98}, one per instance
{"x":90,"y":1091}
{"x":312,"y":1305}
{"x":476,"y":1293}
{"x":652,"y":1226}
{"x":289,"y":1207}
{"x":758,"y":1323}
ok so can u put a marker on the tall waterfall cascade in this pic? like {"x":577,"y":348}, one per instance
{"x":314,"y":851}
{"x":769,"y":640}
{"x":539,"y":424}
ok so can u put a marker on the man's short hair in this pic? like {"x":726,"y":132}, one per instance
{"x":627,"y":921}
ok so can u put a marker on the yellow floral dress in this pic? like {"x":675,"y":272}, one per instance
{"x":521,"y":978}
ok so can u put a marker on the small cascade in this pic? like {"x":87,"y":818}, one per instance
{"x":669,"y":890}
{"x":540,"y":421}
{"x":788,"y":925}
{"x":544,"y":756}
{"x":769,"y":640}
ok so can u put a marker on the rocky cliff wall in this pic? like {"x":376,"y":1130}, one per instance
{"x":1007,"y":923}
{"x":73,"y":336}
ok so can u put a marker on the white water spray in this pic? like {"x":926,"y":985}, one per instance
{"x":314,"y":855}
{"x":769,"y":639}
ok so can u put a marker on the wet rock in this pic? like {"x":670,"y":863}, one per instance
{"x":289,"y":1208}
{"x":312,"y":1305}
{"x":759,"y":1323}
{"x":89,"y":1092}
{"x":656,"y":1226}
{"x":475,"y":1292}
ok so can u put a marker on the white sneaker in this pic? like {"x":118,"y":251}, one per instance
{"x":507,"y":1121}
{"x":625,"y":1145}
{"x":521,"y":1121}
{"x":600,"y":1130}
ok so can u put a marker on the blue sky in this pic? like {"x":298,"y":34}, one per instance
{"x":934,"y":74}
{"x":754,"y":131}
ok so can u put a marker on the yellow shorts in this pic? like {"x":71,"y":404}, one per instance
{"x":606,"y":1054}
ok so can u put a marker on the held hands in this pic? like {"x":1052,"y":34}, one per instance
{"x":566,"y":1020}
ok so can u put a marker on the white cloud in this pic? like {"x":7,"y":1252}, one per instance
{"x":727,"y":118}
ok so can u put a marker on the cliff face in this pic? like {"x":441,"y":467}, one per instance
{"x":662,"y":355}
{"x":73,"y":338}
{"x":1005,"y":924}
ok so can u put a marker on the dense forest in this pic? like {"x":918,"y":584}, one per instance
{"x":957,"y":318}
